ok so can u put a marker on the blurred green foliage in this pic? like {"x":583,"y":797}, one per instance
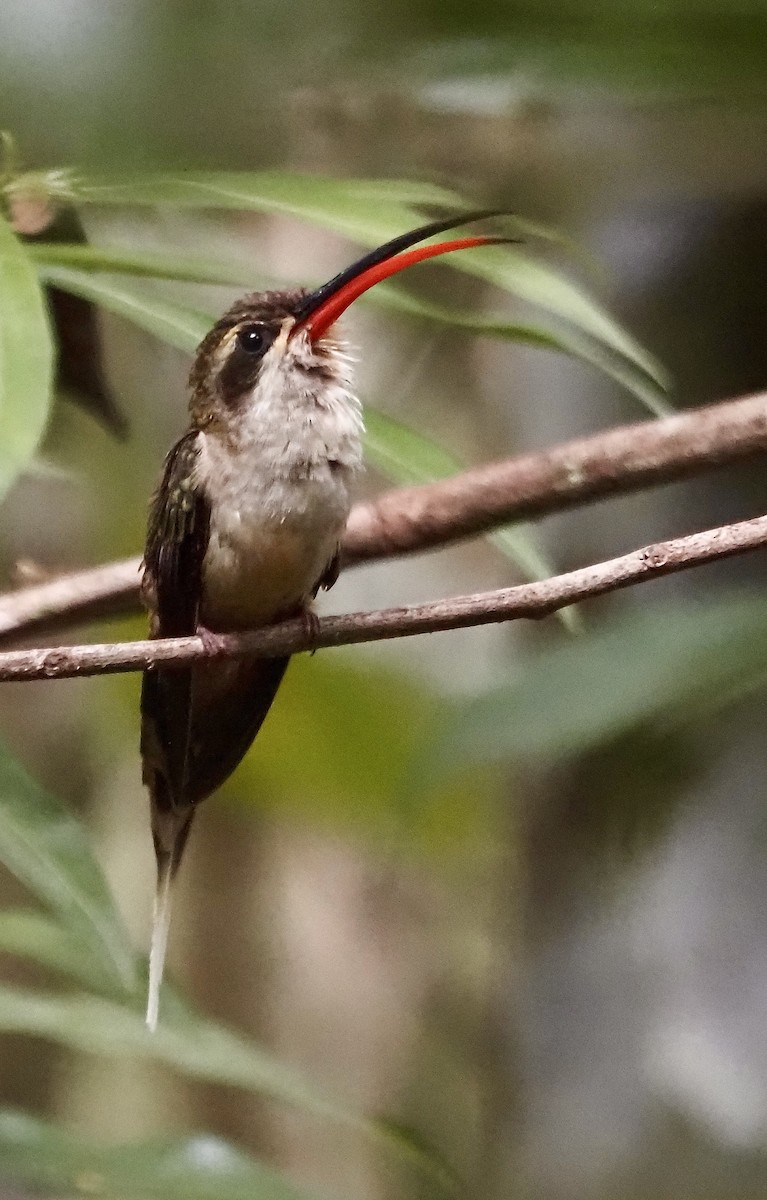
{"x":81,"y":935}
{"x":26,"y":359}
{"x":233,"y":79}
{"x":658,"y":668}
{"x":230,"y":90}
{"x":41,"y":1156}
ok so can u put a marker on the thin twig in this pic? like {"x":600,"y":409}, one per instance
{"x":506,"y":604}
{"x":413,"y":519}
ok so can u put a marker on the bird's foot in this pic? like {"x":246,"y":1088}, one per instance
{"x":214,"y":643}
{"x":311,"y":623}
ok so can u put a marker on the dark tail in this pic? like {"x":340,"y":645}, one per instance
{"x":196,"y":727}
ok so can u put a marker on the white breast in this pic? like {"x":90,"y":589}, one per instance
{"x":279,"y":496}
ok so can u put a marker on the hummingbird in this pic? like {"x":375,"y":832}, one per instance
{"x":245,"y":527}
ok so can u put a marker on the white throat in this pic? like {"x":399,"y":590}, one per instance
{"x":278,"y":483}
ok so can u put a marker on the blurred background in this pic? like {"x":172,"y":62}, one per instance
{"x":553,"y":966}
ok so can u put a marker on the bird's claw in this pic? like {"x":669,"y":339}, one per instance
{"x":311,"y":623}
{"x":214,"y":643}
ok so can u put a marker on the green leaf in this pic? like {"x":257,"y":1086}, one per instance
{"x":198,"y":1049}
{"x":399,"y":452}
{"x":371,"y":214}
{"x":33,"y":936}
{"x":189,"y":269}
{"x":26,"y":358}
{"x":70,"y":267}
{"x":535,"y":283}
{"x":40,"y":1155}
{"x":565,"y":340}
{"x":406,"y":191}
{"x":147,"y":264}
{"x":366,"y":209}
{"x":660,"y":666}
{"x":173,"y":323}
{"x":365,"y":206}
{"x":44,"y":846}
{"x":407,"y":457}
{"x":404,"y":456}
{"x":193,"y":1046}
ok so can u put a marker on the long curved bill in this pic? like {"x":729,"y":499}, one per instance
{"x":321,"y":308}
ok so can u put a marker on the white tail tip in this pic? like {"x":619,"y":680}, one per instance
{"x":159,"y":945}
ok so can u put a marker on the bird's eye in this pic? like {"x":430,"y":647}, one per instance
{"x":253,"y":339}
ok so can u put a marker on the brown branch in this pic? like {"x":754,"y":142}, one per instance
{"x":613,"y":461}
{"x":506,"y":604}
{"x":412,"y":519}
{"x":103,"y":591}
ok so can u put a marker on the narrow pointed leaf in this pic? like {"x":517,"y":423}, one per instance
{"x":534,"y":282}
{"x":181,"y":326}
{"x":40,"y":1155}
{"x":565,"y":340}
{"x":350,"y":208}
{"x":149,"y":264}
{"x":41,"y":940}
{"x":364,"y":205}
{"x":71,"y":265}
{"x":80,"y":374}
{"x":661,"y":665}
{"x":401,"y":454}
{"x":44,"y":846}
{"x":26,"y":358}
{"x":172,"y":323}
{"x":407,"y":457}
{"x":198,"y":1049}
{"x":407,"y":191}
{"x":193,"y":1046}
